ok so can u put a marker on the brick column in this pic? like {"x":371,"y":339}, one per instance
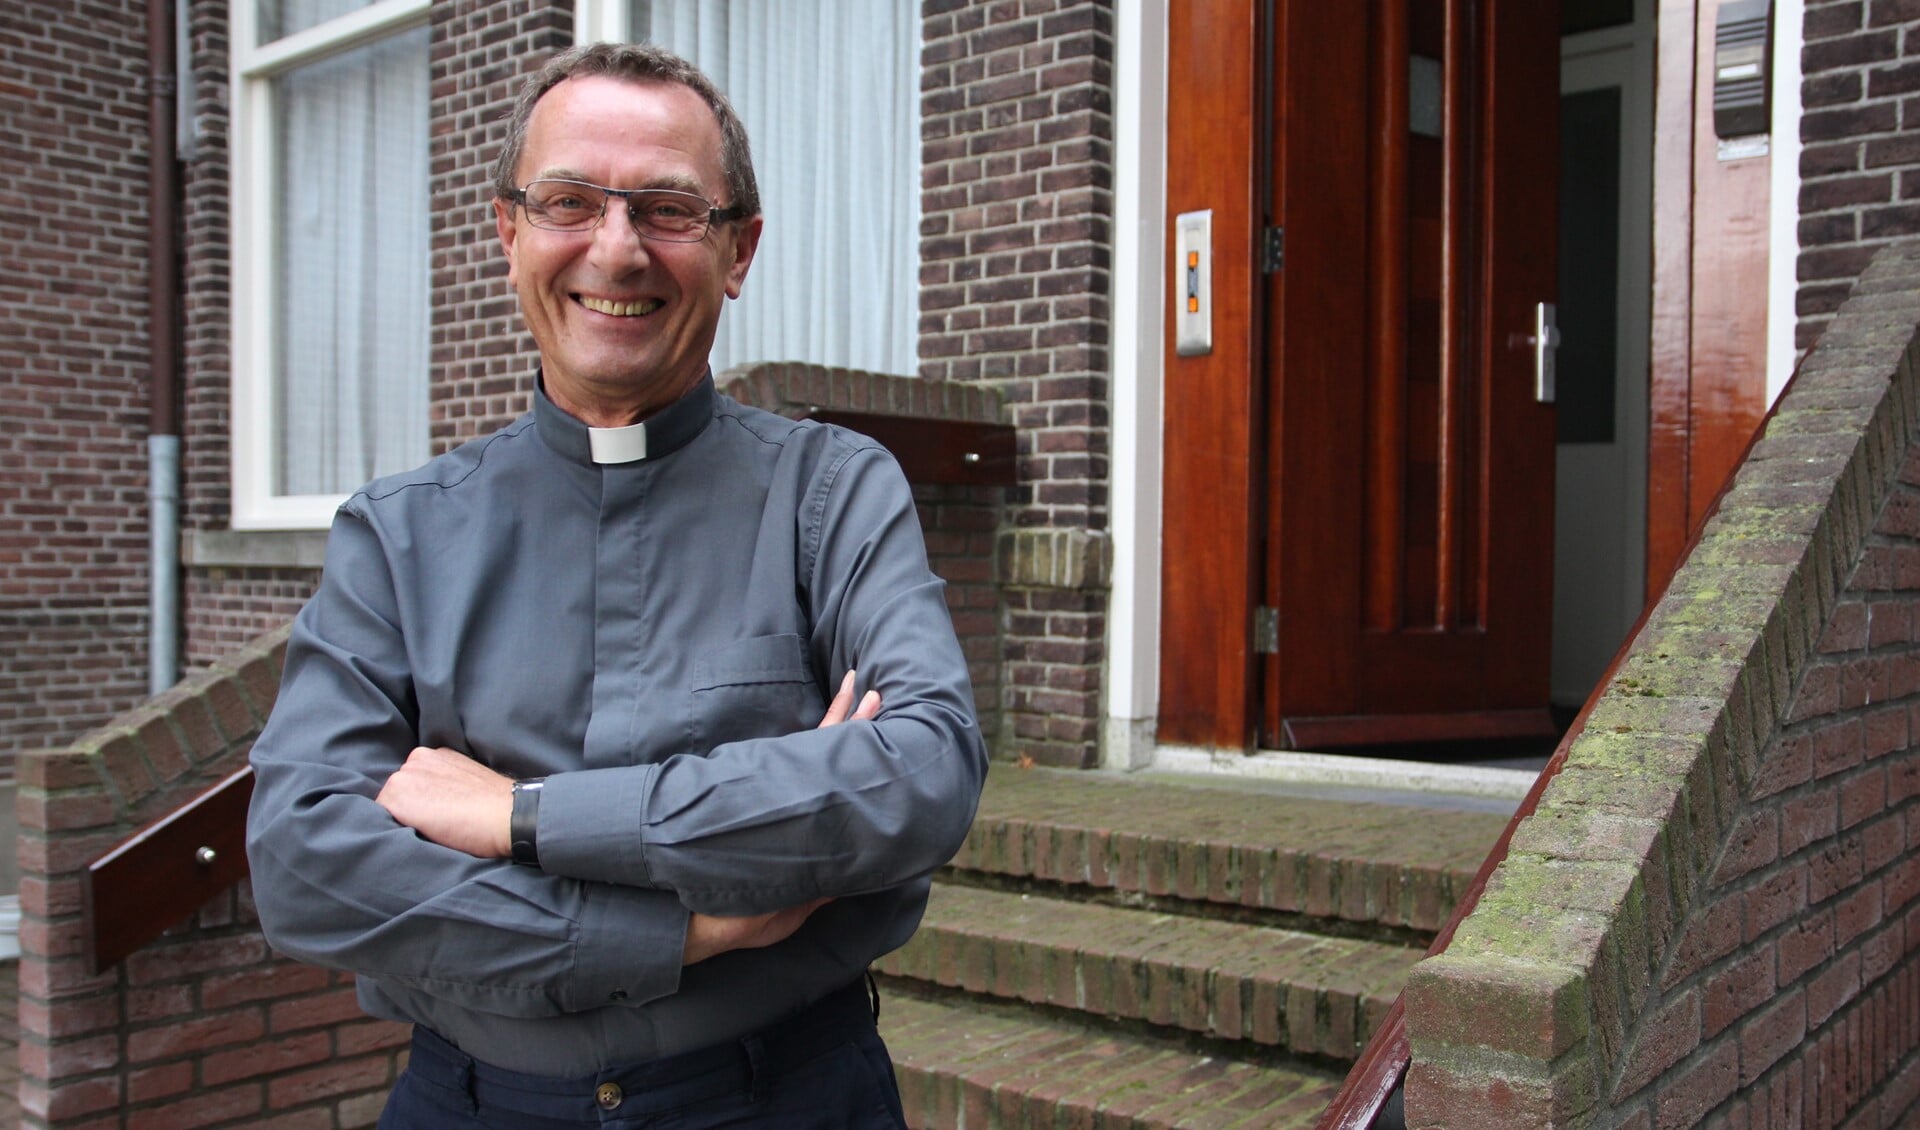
{"x":483,"y":359}
{"x":1016,"y":251}
{"x":1860,"y":168}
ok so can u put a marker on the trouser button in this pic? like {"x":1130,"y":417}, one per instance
{"x":608,"y":1096}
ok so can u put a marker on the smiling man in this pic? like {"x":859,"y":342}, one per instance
{"x":566,"y":764}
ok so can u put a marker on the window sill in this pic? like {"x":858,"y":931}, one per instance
{"x":253,"y":549}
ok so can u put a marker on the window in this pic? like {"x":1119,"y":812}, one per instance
{"x":330,"y":252}
{"x":830,"y":93}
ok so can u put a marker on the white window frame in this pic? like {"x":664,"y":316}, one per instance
{"x":253,"y":299}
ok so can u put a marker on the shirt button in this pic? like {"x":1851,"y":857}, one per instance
{"x":608,"y":1096}
{"x":617,"y":995}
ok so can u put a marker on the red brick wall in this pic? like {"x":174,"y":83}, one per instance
{"x":1016,"y":258}
{"x":483,"y":360}
{"x":1713,"y":916}
{"x":73,"y":367}
{"x":1860,"y":165}
{"x":204,"y":1026}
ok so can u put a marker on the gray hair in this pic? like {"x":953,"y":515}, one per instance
{"x":641,"y":63}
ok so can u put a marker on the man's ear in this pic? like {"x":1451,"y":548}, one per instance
{"x":746,"y":240}
{"x":503,"y":223}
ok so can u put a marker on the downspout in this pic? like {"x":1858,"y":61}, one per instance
{"x":163,"y":431}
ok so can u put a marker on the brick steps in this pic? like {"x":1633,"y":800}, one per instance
{"x":981,"y":1067}
{"x":1136,"y":951}
{"x":1304,"y":992}
{"x":1231,"y":845}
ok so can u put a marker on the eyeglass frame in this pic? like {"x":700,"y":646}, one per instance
{"x":714,"y":215}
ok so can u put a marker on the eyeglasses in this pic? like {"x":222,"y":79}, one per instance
{"x":655,"y":213}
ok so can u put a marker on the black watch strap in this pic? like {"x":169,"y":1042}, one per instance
{"x":523,"y":827}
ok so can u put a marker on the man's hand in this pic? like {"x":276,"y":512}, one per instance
{"x":708,"y":935}
{"x":452,"y":800}
{"x":842,"y":699}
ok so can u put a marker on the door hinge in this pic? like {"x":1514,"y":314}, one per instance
{"x":1266,"y":630}
{"x":1273,"y":249}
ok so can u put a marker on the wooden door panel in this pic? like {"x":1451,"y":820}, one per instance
{"x":1411,"y":497}
{"x":1210,"y":534}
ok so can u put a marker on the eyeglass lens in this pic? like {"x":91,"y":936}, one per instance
{"x":564,"y":205}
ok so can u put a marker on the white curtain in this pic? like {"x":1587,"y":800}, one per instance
{"x":830,"y":92}
{"x":352,"y":268}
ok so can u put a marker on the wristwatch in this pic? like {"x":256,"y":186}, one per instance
{"x":523,"y":826}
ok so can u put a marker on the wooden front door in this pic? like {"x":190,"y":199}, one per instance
{"x":1411,"y":466}
{"x":1396,"y":516}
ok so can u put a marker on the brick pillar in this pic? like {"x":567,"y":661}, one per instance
{"x":483,"y":359}
{"x":1860,"y":165}
{"x":1016,"y":251}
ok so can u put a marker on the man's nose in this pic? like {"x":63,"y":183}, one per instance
{"x":617,"y":241}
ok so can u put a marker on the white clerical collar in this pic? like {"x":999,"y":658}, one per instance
{"x":618,"y":445}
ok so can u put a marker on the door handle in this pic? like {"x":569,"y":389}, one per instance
{"x":1545,"y":341}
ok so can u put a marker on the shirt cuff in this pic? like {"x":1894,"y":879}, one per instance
{"x":591,"y":825}
{"x":628,"y":948}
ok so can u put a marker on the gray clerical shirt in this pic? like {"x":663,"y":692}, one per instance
{"x":658,"y":638}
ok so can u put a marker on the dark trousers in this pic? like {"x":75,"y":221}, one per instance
{"x":823,"y":1068}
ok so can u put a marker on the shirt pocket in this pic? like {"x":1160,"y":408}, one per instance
{"x":760,"y":687}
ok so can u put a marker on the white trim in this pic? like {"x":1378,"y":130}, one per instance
{"x":1783,"y":244}
{"x":362,"y":25}
{"x":601,"y":21}
{"x":1139,"y":202}
{"x":252,"y":295}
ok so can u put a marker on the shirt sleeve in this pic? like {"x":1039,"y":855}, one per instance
{"x":756,"y":825}
{"x":338,"y":882}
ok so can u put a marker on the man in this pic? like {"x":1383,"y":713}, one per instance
{"x":545,"y":770}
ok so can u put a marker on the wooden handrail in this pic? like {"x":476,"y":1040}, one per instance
{"x":1383,"y":1062}
{"x":932,"y":450}
{"x":166,"y":872}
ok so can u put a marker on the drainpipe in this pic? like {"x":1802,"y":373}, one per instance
{"x":163,"y":431}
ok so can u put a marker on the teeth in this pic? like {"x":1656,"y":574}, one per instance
{"x":620,"y":309}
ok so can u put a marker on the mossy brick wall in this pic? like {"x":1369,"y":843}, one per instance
{"x":1713,"y":914}
{"x":205,"y":1026}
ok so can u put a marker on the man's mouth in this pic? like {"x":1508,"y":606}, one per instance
{"x":621,"y":309}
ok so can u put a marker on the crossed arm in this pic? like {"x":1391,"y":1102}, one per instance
{"x":457,"y":802}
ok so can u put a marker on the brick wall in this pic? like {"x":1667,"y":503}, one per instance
{"x":1712,"y":915}
{"x":73,"y":367}
{"x":1860,"y":165}
{"x":1016,"y":256}
{"x":204,"y":1026}
{"x":483,"y":360}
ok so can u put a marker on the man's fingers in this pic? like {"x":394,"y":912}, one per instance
{"x":869,"y":707}
{"x":842,"y":702}
{"x":709,"y":935}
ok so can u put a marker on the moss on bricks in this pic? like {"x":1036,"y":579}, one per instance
{"x":1460,"y":1002}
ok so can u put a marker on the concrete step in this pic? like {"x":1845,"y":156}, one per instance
{"x":980,"y":1066}
{"x":1233,"y":845}
{"x":1305,"y":993}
